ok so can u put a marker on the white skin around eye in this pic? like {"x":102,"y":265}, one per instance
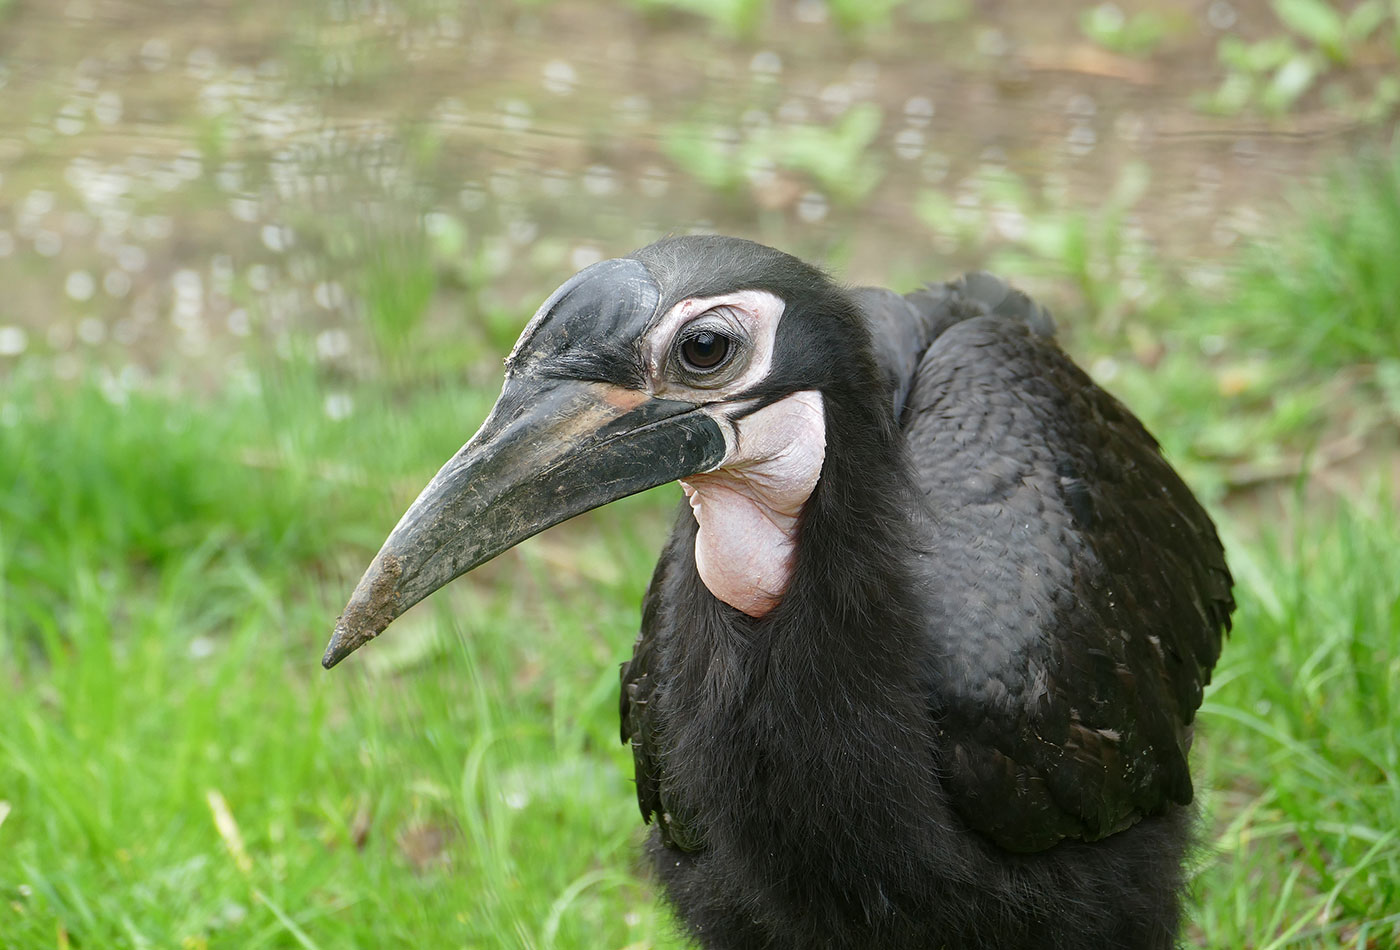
{"x":747,"y":508}
{"x":753,"y":313}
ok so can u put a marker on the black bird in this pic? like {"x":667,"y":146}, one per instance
{"x":919,"y":663}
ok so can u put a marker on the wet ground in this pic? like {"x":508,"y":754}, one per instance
{"x":179,"y":178}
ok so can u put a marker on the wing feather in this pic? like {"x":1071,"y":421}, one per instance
{"x":1078,"y":591}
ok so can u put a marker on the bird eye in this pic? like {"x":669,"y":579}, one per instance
{"x":705,"y":350}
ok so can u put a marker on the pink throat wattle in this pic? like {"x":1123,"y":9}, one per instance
{"x":747,"y":509}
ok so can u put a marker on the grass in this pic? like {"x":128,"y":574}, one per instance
{"x":177,"y":771}
{"x":1303,"y":755}
{"x":1294,"y":355}
{"x":1327,"y":289}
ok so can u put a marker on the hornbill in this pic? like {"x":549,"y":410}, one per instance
{"x":919,"y":663}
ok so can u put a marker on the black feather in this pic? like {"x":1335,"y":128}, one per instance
{"x":966,"y":723}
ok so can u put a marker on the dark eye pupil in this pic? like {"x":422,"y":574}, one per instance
{"x":705,"y":350}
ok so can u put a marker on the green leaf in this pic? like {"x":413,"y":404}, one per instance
{"x":1365,"y":19}
{"x":836,"y":156}
{"x":1234,"y":94}
{"x":1261,"y":57}
{"x":1138,"y":35}
{"x":694,"y":148}
{"x":735,"y":17}
{"x":1317,"y":21}
{"x":858,"y":15}
{"x":1291,"y":80}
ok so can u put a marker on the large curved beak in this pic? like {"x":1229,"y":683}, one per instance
{"x":551,"y":449}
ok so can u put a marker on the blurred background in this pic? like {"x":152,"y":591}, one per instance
{"x":260,"y":261}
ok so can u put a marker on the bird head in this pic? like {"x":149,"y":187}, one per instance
{"x":704,"y":359}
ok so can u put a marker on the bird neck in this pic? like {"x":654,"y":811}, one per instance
{"x":819,"y":700}
{"x":852,"y":590}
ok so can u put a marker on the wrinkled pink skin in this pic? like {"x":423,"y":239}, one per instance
{"x":747,"y":508}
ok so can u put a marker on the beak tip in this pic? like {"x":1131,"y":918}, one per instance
{"x":373,"y":606}
{"x":340,"y":646}
{"x":332,"y":656}
{"x":345,"y":641}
